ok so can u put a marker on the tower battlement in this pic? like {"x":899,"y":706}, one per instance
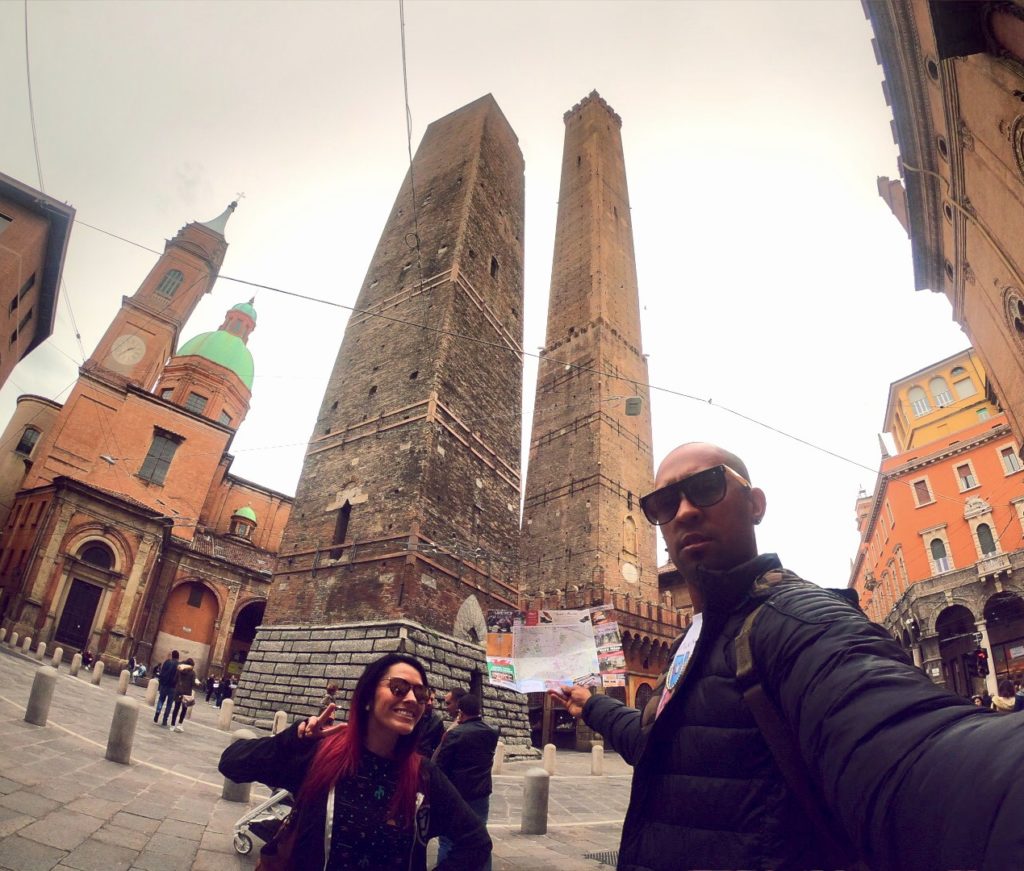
{"x":593,"y":98}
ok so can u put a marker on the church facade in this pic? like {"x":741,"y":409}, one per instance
{"x":125,"y":532}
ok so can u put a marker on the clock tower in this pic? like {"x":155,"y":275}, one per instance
{"x":144,"y":333}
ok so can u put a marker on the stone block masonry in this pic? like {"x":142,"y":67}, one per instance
{"x":289,"y":666}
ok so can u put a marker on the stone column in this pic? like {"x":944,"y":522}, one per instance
{"x":915,"y":651}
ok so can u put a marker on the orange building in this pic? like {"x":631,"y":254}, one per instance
{"x":34,"y":232}
{"x":127,"y":534}
{"x":941,"y":559}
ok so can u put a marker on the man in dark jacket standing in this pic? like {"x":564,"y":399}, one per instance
{"x":908,"y":775}
{"x":168,"y":678}
{"x":465,"y":756}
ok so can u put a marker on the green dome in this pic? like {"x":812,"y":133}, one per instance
{"x":246,"y":308}
{"x":246,"y":512}
{"x":223,"y":349}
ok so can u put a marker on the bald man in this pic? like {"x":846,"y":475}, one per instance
{"x":866,"y":760}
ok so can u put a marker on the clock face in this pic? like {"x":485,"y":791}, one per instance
{"x":128,"y":349}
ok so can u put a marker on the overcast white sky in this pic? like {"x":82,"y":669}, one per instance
{"x":773,"y":280}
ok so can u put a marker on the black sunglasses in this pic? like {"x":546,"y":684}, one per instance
{"x":400,"y":687}
{"x":701,"y":490}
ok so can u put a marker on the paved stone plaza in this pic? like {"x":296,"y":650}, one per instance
{"x":62,"y":805}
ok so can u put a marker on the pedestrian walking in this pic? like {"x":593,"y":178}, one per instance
{"x":466,"y":757}
{"x":365,"y":797}
{"x":210,"y":685}
{"x":167,"y":679}
{"x":184,"y":694}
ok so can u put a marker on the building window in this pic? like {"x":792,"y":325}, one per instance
{"x":97,"y":554}
{"x":892,"y":519}
{"x":30,"y":282}
{"x":167,"y":393}
{"x":224,"y":418}
{"x":28,"y":440}
{"x":195,"y":596}
{"x":922,"y":493}
{"x":986,"y":542}
{"x":938,"y":548}
{"x":1011,"y":462}
{"x":341,"y":527}
{"x":241,"y":528}
{"x":940,"y":392}
{"x":5,"y":222}
{"x":196,"y":403}
{"x":24,"y":321}
{"x":494,"y":267}
{"x":169,"y":283}
{"x":964,"y":388}
{"x":158,"y":460}
{"x":983,"y":414}
{"x":918,"y":401}
{"x":965,"y":477}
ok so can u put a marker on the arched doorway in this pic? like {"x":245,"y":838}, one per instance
{"x":643,"y":695}
{"x":188,"y":624}
{"x":90,"y":577}
{"x":955,"y":627}
{"x":246,"y":623}
{"x":1004,"y":620}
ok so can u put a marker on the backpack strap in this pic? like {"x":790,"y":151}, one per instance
{"x":779,"y":738}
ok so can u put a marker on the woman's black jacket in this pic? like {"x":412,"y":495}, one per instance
{"x":281,"y":761}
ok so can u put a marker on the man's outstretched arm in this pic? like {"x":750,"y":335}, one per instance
{"x":619,"y":725}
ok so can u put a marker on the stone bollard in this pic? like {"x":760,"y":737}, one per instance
{"x":38,"y":708}
{"x":280,"y":722}
{"x":14,"y":639}
{"x":122,"y":682}
{"x":26,"y":644}
{"x":58,"y":657}
{"x":535,"y":801}
{"x":97,"y":672}
{"x":122,"y":731}
{"x":76,"y":664}
{"x":227,"y":710}
{"x":3,"y":635}
{"x":41,"y":651}
{"x":499,"y":758}
{"x":549,"y":758}
{"x":597,"y":760}
{"x":152,"y":688}
{"x":236,"y":791}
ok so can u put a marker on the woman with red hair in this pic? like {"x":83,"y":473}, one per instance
{"x":365,"y":799}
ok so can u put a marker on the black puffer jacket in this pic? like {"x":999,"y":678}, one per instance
{"x":916,"y":777}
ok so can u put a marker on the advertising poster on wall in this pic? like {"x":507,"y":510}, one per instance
{"x":499,"y":633}
{"x":501,"y":672}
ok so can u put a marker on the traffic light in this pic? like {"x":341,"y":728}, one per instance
{"x":971,"y":665}
{"x":981,"y":661}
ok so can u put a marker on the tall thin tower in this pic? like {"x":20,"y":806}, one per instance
{"x":589,"y":460}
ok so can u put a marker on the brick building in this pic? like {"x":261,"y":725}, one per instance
{"x":584,"y":539}
{"x":127,"y":533}
{"x":954,"y":73}
{"x":406,"y":520}
{"x":34,"y":233}
{"x":941,"y":560}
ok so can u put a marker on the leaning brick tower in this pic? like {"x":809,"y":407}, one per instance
{"x":405,"y":527}
{"x":589,"y":460}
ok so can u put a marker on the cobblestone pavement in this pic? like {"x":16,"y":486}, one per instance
{"x":62,"y":805}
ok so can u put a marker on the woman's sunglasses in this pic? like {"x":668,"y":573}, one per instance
{"x":701,"y":490}
{"x":400,"y":687}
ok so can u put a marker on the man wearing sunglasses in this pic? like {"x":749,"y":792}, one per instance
{"x":865,"y":758}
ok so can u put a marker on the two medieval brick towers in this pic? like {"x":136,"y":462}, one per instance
{"x":406,"y":524}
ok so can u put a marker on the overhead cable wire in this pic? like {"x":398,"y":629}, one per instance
{"x":408,"y":137}
{"x":39,"y":173}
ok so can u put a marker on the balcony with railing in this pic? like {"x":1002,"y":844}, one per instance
{"x":992,"y":565}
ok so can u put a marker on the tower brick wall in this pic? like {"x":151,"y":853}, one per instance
{"x":589,"y":461}
{"x":408,"y":501}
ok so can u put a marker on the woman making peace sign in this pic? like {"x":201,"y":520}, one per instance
{"x":365,"y":799}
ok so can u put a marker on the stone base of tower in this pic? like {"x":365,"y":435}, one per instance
{"x":288,"y":667}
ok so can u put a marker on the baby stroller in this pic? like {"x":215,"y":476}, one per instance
{"x":263,"y":821}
